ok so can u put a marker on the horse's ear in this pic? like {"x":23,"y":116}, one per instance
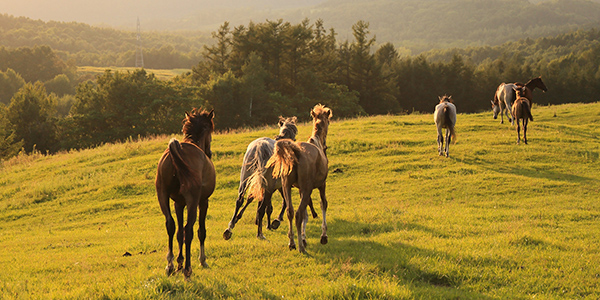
{"x":329,"y":113}
{"x":211,"y":114}
{"x":294,"y":119}
{"x":312,"y":113}
{"x":440,"y":98}
{"x":281,"y":120}
{"x":187,"y":115}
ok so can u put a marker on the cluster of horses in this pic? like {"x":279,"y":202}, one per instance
{"x":514,"y":96}
{"x":187,"y":175}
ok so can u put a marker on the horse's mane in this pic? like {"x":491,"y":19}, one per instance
{"x":321,"y":116}
{"x":196,"y":124}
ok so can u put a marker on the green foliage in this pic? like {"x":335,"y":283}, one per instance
{"x":31,"y":116}
{"x":36,"y":63}
{"x":123,"y":105}
{"x":10,"y":83}
{"x":496,"y":220}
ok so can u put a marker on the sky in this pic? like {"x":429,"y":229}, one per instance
{"x":124,"y":13}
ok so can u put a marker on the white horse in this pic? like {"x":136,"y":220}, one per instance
{"x":445,"y":117}
{"x":503,"y":100}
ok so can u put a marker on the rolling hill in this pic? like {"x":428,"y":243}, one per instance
{"x":495,"y":220}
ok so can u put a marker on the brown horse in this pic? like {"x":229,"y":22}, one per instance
{"x":187,"y":175}
{"x":521,"y":110}
{"x":305,"y":166}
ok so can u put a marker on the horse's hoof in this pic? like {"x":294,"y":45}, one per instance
{"x":169,"y":270}
{"x":292,"y":246}
{"x":302,"y":250}
{"x":275,"y":224}
{"x":187,"y":273}
{"x":260,"y":236}
{"x":324,"y":240}
{"x":204,"y":264}
{"x":227,"y":234}
{"x":315,"y":215}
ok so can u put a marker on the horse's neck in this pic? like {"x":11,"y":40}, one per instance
{"x":191,"y":140}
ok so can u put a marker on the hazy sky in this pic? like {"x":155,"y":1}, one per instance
{"x":125,"y":12}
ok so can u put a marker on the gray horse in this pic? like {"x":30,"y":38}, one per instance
{"x":445,"y":117}
{"x":257,"y":154}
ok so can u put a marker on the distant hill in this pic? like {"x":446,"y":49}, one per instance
{"x":417,"y":25}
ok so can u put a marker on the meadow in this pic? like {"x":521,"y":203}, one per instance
{"x":162,"y":74}
{"x":496,"y":220}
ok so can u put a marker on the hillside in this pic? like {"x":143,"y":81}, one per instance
{"x":413,"y":25}
{"x":495,"y":220}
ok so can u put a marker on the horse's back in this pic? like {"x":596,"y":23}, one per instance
{"x":313,"y":163}
{"x":439,"y":115}
{"x":197,"y":161}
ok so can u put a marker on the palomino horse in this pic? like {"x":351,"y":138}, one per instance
{"x":257,"y":154}
{"x":505,"y":96}
{"x":305,"y":166}
{"x":445,"y":117}
{"x":187,"y":175}
{"x":521,"y":110}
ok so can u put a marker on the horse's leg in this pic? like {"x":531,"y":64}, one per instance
{"x":180,"y":234}
{"x":192,"y":212}
{"x":312,"y":209}
{"x":287,"y":196}
{"x":518,"y":132}
{"x":324,"y":237}
{"x":203,"y":208}
{"x":279,"y":218}
{"x":440,"y":139}
{"x":269,"y":212}
{"x":447,"y":146}
{"x":163,"y":199}
{"x":525,"y":121}
{"x":301,"y":215}
{"x":238,"y":204}
{"x":260,"y":213}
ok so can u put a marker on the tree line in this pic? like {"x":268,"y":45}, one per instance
{"x":252,"y":74}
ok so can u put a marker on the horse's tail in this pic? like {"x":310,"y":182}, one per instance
{"x":527,"y":110}
{"x":450,"y":123}
{"x":256,"y":183}
{"x":285,"y":156}
{"x":187,"y":176}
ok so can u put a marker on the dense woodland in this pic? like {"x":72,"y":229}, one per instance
{"x":253,"y":73}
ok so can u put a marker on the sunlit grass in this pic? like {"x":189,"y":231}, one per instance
{"x":495,"y":220}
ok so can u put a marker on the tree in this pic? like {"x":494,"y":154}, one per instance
{"x":10,"y":83}
{"x":30,"y":114}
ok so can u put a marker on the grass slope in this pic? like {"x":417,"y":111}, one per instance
{"x":495,"y":220}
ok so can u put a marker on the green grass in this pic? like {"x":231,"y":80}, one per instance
{"x":496,"y":220}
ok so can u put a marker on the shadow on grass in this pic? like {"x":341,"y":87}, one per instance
{"x":405,"y":262}
{"x":523,"y":171}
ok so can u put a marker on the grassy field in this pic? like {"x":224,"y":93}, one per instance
{"x":496,"y":220}
{"x":160,"y":74}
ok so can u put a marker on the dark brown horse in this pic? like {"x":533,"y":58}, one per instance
{"x":521,"y":110}
{"x":187,"y":175}
{"x":305,"y":166}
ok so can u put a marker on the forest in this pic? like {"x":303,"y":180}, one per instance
{"x":251,"y":74}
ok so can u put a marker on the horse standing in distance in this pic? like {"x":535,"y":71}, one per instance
{"x":505,"y":96}
{"x":521,"y":110}
{"x":305,"y":166}
{"x":187,"y":175}
{"x":445,"y":117}
{"x":257,"y":154}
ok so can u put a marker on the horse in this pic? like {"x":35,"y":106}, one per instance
{"x":257,"y":154}
{"x":521,"y":110}
{"x":505,"y":96}
{"x":445,"y":117}
{"x":305,"y":166}
{"x":187,"y":175}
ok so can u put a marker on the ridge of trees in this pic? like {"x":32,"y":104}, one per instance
{"x":252,"y":74}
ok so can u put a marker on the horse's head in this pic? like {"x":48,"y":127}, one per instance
{"x":446,"y":98}
{"x":520,"y":91}
{"x":198,"y":127}
{"x":287,"y":128}
{"x":495,"y":107}
{"x":321,"y":116}
{"x":537,"y":83}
